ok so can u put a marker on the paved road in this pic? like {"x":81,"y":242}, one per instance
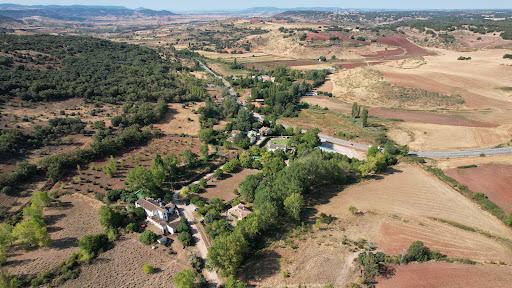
{"x":461,"y":153}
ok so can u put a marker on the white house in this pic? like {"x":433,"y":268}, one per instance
{"x":161,"y":216}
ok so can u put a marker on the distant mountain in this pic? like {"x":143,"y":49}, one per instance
{"x":75,"y":12}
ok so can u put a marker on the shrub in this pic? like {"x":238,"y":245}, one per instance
{"x":185,"y":238}
{"x":148,"y":237}
{"x":132,"y":227}
{"x":148,"y":269}
{"x":93,"y":244}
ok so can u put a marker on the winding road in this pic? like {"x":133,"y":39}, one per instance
{"x":325,"y":138}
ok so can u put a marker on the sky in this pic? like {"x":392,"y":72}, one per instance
{"x":195,"y":5}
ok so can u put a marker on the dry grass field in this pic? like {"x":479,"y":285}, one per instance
{"x":434,"y":274}
{"x":66,"y":225}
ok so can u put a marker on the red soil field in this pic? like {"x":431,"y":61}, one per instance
{"x":317,"y":36}
{"x":434,"y":274}
{"x":385,"y":53}
{"x":493,"y":180}
{"x":400,"y":41}
{"x":409,"y":116}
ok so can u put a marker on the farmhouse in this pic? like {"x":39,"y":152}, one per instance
{"x":161,"y":216}
{"x":239,"y":211}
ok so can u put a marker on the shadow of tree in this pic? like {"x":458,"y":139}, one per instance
{"x":64,"y":243}
{"x":263,"y":265}
{"x":52,"y":219}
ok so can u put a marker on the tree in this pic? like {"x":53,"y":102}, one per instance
{"x":110,"y":218}
{"x":203,"y":182}
{"x":232,"y":165}
{"x":218,"y":174}
{"x":185,"y":279}
{"x":207,"y":136}
{"x":356,"y":110}
{"x":185,"y":238}
{"x":100,"y":125}
{"x":232,"y":283}
{"x":148,"y":237}
{"x":31,"y":233}
{"x":54,"y":171}
{"x":248,"y":187}
{"x":148,"y":269}
{"x":93,"y":244}
{"x":182,"y":227}
{"x":204,"y":151}
{"x":417,"y":252}
{"x":311,"y":138}
{"x":365,"y":117}
{"x":227,"y":252}
{"x":194,"y":188}
{"x":293,"y":204}
{"x":141,"y":179}
{"x":190,"y":158}
{"x":195,"y":261}
{"x":184,"y":193}
{"x":132,"y":227}
{"x":41,"y":198}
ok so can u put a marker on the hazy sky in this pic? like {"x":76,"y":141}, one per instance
{"x":182,"y":5}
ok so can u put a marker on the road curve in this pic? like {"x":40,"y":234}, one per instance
{"x":460,"y":153}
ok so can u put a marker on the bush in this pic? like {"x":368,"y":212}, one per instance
{"x":182,"y":227}
{"x":148,"y":237}
{"x":185,"y":238}
{"x":93,"y":244}
{"x":132,"y":227}
{"x":148,"y":269}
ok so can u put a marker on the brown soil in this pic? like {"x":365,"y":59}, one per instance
{"x":224,"y":188}
{"x":493,"y":180}
{"x":433,"y":274}
{"x":66,"y":226}
{"x":289,"y":63}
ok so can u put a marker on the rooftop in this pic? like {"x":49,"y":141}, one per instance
{"x":150,"y":204}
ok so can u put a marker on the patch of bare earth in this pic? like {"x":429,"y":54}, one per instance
{"x":66,"y":225}
{"x":434,"y":274}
